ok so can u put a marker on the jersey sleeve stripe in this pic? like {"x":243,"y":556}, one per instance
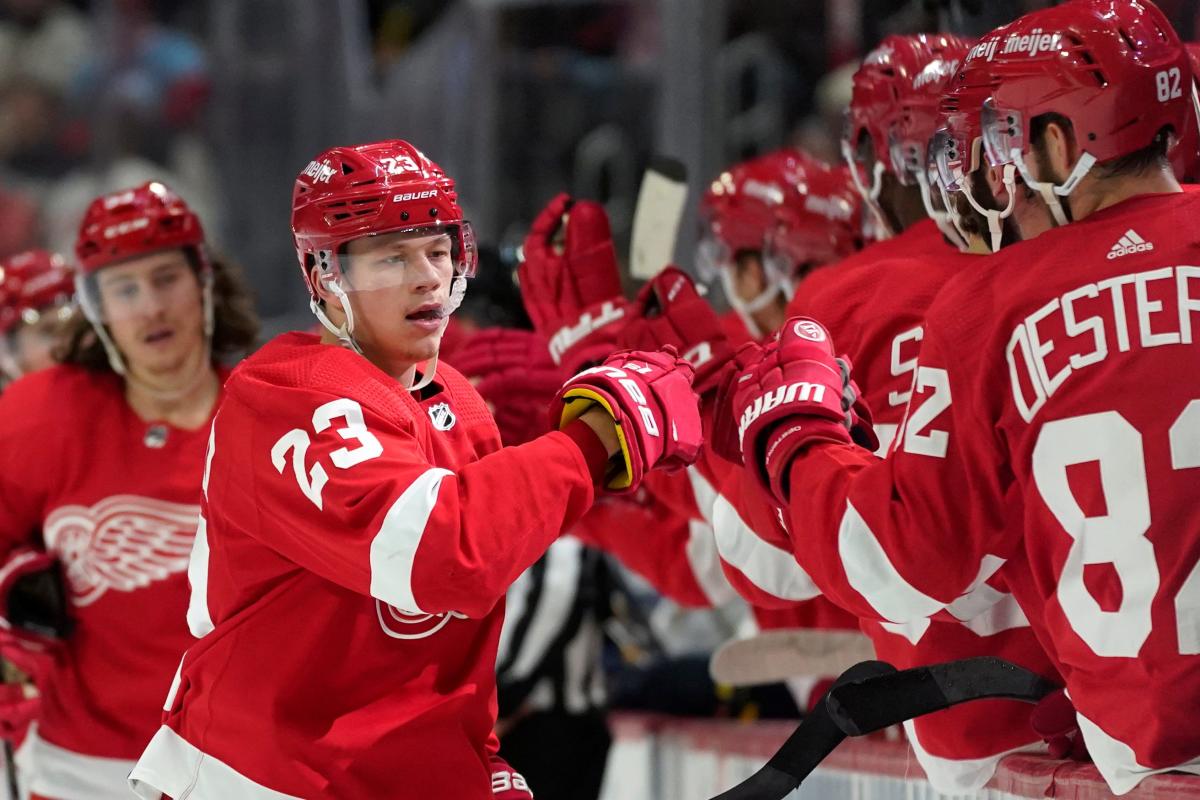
{"x":395,"y":546}
{"x":199,"y":619}
{"x":768,"y":567}
{"x":870,"y":572}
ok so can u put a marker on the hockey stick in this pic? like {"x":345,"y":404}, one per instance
{"x":864,"y":706}
{"x":776,"y":655}
{"x":660,"y":206}
{"x":872,"y":696}
{"x":815,"y":737}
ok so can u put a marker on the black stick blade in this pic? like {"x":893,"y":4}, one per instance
{"x":864,"y":706}
{"x":814,"y":738}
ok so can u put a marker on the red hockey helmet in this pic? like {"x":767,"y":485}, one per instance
{"x":913,"y":119}
{"x":794,"y":211}
{"x":31,"y":282}
{"x":1115,"y":68}
{"x":347,"y":193}
{"x":786,"y":202}
{"x":135,"y":222}
{"x":891,"y":76}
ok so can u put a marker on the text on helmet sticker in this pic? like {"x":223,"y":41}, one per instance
{"x":1030,"y":44}
{"x":407,"y":196}
{"x":129,"y":226}
{"x":319,"y":171}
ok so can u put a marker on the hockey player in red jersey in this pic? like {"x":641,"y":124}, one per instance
{"x":100,"y":460}
{"x":36,"y":290}
{"x":1030,"y":440}
{"x":768,"y":222}
{"x":908,"y":219}
{"x":361,"y":522}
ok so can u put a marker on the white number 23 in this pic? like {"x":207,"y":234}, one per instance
{"x":312,"y":481}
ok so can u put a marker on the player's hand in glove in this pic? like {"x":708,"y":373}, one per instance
{"x":1053,"y":719}
{"x":20,"y":705}
{"x":650,"y":399}
{"x":512,"y":370}
{"x":794,"y":393}
{"x":669,"y":311}
{"x":507,"y":783}
{"x":570,"y":284}
{"x":33,"y":600}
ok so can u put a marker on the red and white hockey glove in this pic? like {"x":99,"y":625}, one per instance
{"x":570,"y":283}
{"x":33,"y":600}
{"x":20,"y":705}
{"x":1053,"y":719}
{"x":507,"y":783}
{"x":656,"y":412}
{"x":669,"y":311}
{"x":513,"y":372}
{"x":796,"y":393}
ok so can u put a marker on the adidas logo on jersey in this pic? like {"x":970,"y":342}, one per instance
{"x":1129,"y":244}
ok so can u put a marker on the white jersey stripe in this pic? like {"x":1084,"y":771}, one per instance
{"x":768,"y":567}
{"x":395,"y":546}
{"x":871,"y":573}
{"x":173,"y":766}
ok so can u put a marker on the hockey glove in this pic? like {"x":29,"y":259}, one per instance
{"x":669,"y":311}
{"x":507,"y":783}
{"x":19,"y":706}
{"x":1053,"y":719}
{"x":513,"y":372}
{"x":572,"y":289}
{"x":33,"y":598}
{"x":656,"y":413}
{"x":796,"y":393}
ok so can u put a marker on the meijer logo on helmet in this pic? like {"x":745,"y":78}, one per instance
{"x":319,"y":171}
{"x":113,"y":231}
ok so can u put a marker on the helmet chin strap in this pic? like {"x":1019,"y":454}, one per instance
{"x":458,"y":290}
{"x":993,"y":216}
{"x":870,"y":196}
{"x":746,"y":309}
{"x":945,"y":220}
{"x":1050,"y":192}
{"x":345,"y":332}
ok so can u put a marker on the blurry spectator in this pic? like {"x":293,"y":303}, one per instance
{"x":142,"y":97}
{"x":32,"y":142}
{"x":46,"y":40}
{"x":18,"y":222}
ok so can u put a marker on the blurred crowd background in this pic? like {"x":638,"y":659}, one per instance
{"x":226,"y":99}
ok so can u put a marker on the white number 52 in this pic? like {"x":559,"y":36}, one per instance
{"x":312,"y":481}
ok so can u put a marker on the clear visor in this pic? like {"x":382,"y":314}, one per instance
{"x":1003,"y":134}
{"x":153,"y":289}
{"x":713,"y":257}
{"x":950,"y":155}
{"x":906,"y":159}
{"x":30,"y":346}
{"x":408,"y":257}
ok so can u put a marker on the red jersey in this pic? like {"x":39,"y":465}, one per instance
{"x":1053,"y":425}
{"x":348,"y":582}
{"x":116,"y":499}
{"x":918,"y":240}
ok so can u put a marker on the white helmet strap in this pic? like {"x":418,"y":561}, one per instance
{"x":993,"y":216}
{"x":1051,"y":192}
{"x":946,"y":220}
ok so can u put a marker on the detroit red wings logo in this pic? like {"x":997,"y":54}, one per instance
{"x":403,"y":625}
{"x":122,"y":543}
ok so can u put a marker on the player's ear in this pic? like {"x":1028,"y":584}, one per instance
{"x":319,"y":282}
{"x":1058,"y":147}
